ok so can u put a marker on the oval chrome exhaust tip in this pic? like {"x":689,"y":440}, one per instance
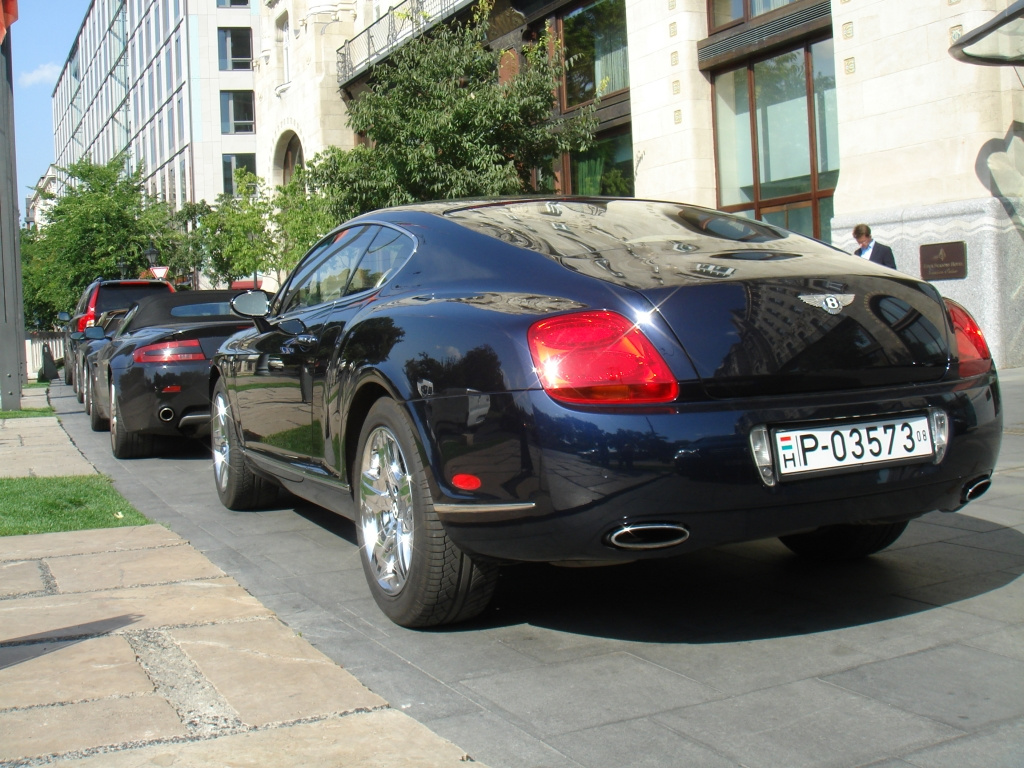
{"x":975,"y":488}
{"x":165,"y":414}
{"x":637,"y":536}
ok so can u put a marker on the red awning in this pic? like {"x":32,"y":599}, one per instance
{"x":8,"y":17}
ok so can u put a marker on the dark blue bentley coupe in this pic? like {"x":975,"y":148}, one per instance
{"x":589,"y":381}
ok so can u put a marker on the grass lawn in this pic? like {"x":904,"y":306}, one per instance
{"x":50,"y":504}
{"x":27,"y":413}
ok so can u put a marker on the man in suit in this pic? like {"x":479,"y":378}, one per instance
{"x":869,"y":249}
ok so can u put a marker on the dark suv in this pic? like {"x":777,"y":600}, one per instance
{"x":99,"y":297}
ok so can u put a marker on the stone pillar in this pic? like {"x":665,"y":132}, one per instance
{"x":12,"y":321}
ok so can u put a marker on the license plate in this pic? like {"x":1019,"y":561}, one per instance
{"x":850,"y":445}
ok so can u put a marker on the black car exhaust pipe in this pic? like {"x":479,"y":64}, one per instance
{"x":165,"y":414}
{"x":635,"y":536}
{"x":975,"y":488}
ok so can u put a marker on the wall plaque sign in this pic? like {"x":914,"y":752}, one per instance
{"x":944,"y":261}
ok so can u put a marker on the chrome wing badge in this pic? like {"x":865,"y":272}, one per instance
{"x":832,"y":303}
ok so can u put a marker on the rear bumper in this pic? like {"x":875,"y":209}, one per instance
{"x":151,"y":405}
{"x":557,"y":482}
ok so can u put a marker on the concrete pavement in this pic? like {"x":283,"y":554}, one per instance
{"x":126,"y":647}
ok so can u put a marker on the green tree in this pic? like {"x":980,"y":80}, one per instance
{"x":189,"y":256}
{"x":443,"y":124}
{"x":100,"y":227}
{"x":236,"y":236}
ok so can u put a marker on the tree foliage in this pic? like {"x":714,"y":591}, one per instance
{"x":441,"y":123}
{"x":236,"y":235}
{"x":101,"y":227}
{"x":444,"y":124}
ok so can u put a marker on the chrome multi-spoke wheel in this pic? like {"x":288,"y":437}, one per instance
{"x":386,"y":510}
{"x":220,"y":443}
{"x":115,"y":421}
{"x":237,"y":486}
{"x":416,"y":573}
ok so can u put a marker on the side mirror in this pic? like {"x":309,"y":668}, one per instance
{"x":251,"y":304}
{"x":94,"y":333}
{"x":64,"y":317}
{"x":76,"y":336}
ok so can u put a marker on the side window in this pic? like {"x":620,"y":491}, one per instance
{"x":387,"y":253}
{"x":325,"y":271}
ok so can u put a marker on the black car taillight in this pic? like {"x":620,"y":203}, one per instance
{"x":597,"y":358}
{"x":183,"y":351}
{"x":971,"y":347}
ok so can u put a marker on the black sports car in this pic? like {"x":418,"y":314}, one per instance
{"x":151,"y":379}
{"x":88,"y":344}
{"x":595,"y":381}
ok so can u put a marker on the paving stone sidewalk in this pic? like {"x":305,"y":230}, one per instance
{"x":126,"y":647}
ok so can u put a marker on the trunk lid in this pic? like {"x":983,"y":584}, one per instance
{"x":775,"y":335}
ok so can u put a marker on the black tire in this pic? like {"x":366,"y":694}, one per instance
{"x":125,"y":444}
{"x":417,"y":575}
{"x":96,"y":422}
{"x":80,"y":384}
{"x":844,"y":542}
{"x":238,"y":487}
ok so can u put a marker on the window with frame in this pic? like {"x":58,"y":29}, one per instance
{"x":776,"y":139}
{"x":725,"y":13}
{"x":606,"y":168}
{"x":237,"y":112}
{"x":232,"y":163}
{"x":594,"y":39}
{"x":234,"y":48}
{"x":232,"y":3}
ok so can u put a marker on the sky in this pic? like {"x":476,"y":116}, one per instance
{"x":41,"y":39}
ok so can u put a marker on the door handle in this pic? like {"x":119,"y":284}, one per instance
{"x":306,"y":340}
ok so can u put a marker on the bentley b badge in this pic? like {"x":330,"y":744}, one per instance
{"x":832,"y":303}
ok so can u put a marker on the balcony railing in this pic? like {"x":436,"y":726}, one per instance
{"x":389,"y":32}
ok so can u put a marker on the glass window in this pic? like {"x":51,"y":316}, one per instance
{"x":324,"y":272}
{"x":723,"y":12}
{"x":237,"y":112}
{"x":606,"y":168}
{"x":826,"y":118}
{"x":234,"y":48}
{"x":771,"y":116}
{"x":595,"y":40}
{"x":732,"y":133}
{"x":784,"y":151}
{"x":232,"y":3}
{"x":232,"y":163}
{"x":388,"y":252}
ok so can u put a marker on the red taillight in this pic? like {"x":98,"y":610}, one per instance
{"x":971,"y":347}
{"x":185,"y":350}
{"x":599,"y":358}
{"x":89,"y":318}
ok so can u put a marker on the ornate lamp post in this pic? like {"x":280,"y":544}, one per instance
{"x":151,"y":254}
